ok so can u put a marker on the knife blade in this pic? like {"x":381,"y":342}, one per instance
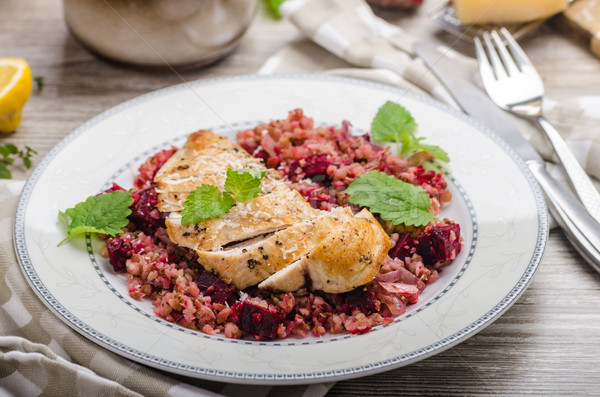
{"x":581,"y":229}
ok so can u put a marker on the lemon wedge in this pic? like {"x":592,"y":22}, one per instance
{"x":15,"y":88}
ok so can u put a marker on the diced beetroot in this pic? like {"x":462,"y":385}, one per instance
{"x":311,"y":166}
{"x":150,"y":167}
{"x":144,"y":213}
{"x":440,"y":244}
{"x":218,"y":290}
{"x":361,"y":298}
{"x":260,"y":321}
{"x":405,"y":247}
{"x":118,"y":253}
{"x":113,"y":188}
{"x":424,"y":177}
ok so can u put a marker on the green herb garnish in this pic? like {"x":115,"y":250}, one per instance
{"x":39,"y":81}
{"x":391,"y":198}
{"x":9,"y":153}
{"x":105,"y":214}
{"x":393,"y":123}
{"x":207,"y":201}
{"x":273,"y":7}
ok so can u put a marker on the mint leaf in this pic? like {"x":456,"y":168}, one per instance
{"x":244,"y":184}
{"x":393,"y":123}
{"x":4,"y":172}
{"x":393,"y":199}
{"x":106,"y":214}
{"x":8,"y":153}
{"x":205,"y":202}
{"x":435,"y":151}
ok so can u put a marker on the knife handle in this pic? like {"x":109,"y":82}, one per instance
{"x":581,"y":229}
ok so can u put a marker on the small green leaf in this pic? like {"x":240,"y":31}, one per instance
{"x":435,"y":151}
{"x":391,"y":198}
{"x":244,"y":184}
{"x":4,"y":172}
{"x":393,"y":123}
{"x":39,"y":81}
{"x":106,"y":214}
{"x":12,"y":149}
{"x":205,"y":202}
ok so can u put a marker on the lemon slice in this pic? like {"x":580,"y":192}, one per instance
{"x":15,"y":88}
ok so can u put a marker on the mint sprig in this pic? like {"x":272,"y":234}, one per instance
{"x":393,"y":123}
{"x":207,"y":201}
{"x":394,"y":200}
{"x":244,"y":184}
{"x":9,"y":153}
{"x":105,"y":214}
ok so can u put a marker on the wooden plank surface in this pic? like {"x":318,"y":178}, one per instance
{"x":548,"y":343}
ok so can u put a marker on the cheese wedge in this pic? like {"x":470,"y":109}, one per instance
{"x":471,"y":12}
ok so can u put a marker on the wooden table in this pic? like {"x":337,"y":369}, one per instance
{"x":548,"y":343}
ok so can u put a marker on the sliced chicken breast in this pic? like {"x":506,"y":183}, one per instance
{"x":348,"y":257}
{"x":205,"y":158}
{"x":253,"y":261}
{"x":276,"y":239}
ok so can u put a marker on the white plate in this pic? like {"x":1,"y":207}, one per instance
{"x":500,"y":208}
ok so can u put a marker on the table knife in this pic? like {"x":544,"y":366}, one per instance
{"x":581,"y":229}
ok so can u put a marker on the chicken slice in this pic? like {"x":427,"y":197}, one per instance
{"x":269,"y":213}
{"x":348,"y":257}
{"x":276,"y":239}
{"x":253,"y":261}
{"x":205,"y":158}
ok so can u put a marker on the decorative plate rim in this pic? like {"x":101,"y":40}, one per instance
{"x":317,"y":376}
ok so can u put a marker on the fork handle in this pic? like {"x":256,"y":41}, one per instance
{"x":581,"y":229}
{"x":581,"y":182}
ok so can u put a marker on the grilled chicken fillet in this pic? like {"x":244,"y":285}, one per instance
{"x":276,"y":240}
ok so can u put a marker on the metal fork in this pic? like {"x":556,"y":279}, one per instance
{"x":512,"y":82}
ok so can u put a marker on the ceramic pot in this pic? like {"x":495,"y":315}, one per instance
{"x":160,"y":34}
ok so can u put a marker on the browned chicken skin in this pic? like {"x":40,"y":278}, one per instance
{"x":276,"y":240}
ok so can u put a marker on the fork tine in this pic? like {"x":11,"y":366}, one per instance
{"x":507,"y":59}
{"x":485,"y":68}
{"x":494,"y":58}
{"x":518,"y":54}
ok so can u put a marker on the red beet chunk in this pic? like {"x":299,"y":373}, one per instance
{"x":118,"y":253}
{"x":218,"y":290}
{"x":144,"y":213}
{"x":113,"y":188}
{"x":405,"y":247}
{"x":440,"y":244}
{"x":361,"y":298}
{"x":312,"y":166}
{"x":260,"y":321}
